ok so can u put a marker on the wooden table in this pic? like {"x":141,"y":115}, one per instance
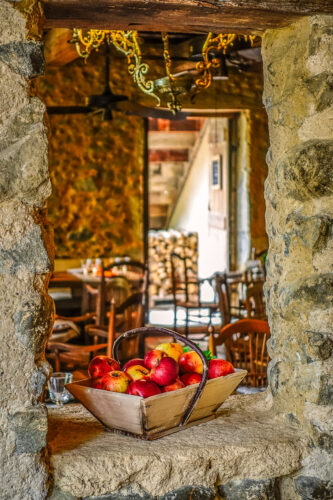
{"x":64,"y":279}
{"x":75,"y":279}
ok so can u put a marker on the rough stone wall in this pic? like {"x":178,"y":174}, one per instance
{"x":95,"y":165}
{"x":25,"y":256}
{"x":298,"y":98}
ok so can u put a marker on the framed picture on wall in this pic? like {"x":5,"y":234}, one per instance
{"x":216,"y":172}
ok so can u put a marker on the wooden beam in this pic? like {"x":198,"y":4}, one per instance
{"x":159,"y":125}
{"x":161,"y":155}
{"x":187,"y":16}
{"x":57,"y":50}
{"x":158,"y":210}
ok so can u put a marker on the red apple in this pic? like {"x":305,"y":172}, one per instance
{"x":190,"y":362}
{"x":97,"y":383}
{"x":143,"y":388}
{"x":100,"y":365}
{"x":173,"y":387}
{"x":171,"y":349}
{"x":166,"y":372}
{"x":136,"y":372}
{"x":190,"y":378}
{"x":131,"y":362}
{"x":219,"y":368}
{"x":152,"y":358}
{"x":115,"y":381}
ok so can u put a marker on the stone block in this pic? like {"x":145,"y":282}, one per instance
{"x":321,"y":87}
{"x":294,"y":383}
{"x":190,"y":493}
{"x":14,"y":26}
{"x":320,"y":55}
{"x":25,"y":58}
{"x":30,"y":429}
{"x":123,"y":494}
{"x":184,"y":493}
{"x":12,"y":95}
{"x":319,"y":346}
{"x":250,"y":489}
{"x":313,"y":292}
{"x":32,"y":320}
{"x":57,"y":494}
{"x":27,"y":246}
{"x":312,"y":488}
{"x":247,"y":441}
{"x":27,"y":253}
{"x":306,"y":171}
{"x":23,"y":156}
{"x":313,"y":233}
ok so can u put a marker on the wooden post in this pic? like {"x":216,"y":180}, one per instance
{"x":111,"y":328}
{"x":146,"y":215}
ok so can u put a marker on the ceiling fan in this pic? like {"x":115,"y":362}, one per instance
{"x":107,"y":102}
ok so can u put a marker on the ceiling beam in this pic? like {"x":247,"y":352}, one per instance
{"x":186,"y":16}
{"x":57,"y":50}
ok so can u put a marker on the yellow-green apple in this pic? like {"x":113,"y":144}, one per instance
{"x":190,"y":362}
{"x":190,"y":378}
{"x":100,"y":365}
{"x":171,"y":349}
{"x":116,"y":381}
{"x":166,"y":372}
{"x":219,"y":368}
{"x":136,"y":372}
{"x":144,"y":388}
{"x":153,"y":357}
{"x":131,"y":362}
{"x":173,"y":387}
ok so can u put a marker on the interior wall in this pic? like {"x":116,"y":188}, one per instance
{"x":242,"y":180}
{"x":96,"y":166}
{"x":258,"y":143}
{"x":192,"y":211}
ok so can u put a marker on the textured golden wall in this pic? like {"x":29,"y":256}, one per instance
{"x":96,"y":166}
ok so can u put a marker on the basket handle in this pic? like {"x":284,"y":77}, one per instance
{"x":164,"y":331}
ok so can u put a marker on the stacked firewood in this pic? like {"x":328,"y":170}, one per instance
{"x":161,"y":245}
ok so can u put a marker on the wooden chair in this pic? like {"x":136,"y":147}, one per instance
{"x":121,"y":318}
{"x":186,"y":290}
{"x":63,"y":355}
{"x":66,"y":328}
{"x":245,"y":343}
{"x":69,"y":357}
{"x":224,"y":284}
{"x":255,"y":305}
{"x":109,"y":285}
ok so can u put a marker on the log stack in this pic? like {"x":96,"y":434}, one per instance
{"x":161,"y":245}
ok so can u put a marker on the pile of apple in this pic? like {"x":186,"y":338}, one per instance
{"x":166,"y":368}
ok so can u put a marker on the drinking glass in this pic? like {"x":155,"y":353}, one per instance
{"x":56,"y":384}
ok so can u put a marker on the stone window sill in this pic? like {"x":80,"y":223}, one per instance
{"x":246,"y":442}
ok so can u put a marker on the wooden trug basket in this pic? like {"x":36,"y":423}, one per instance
{"x":165,"y":413}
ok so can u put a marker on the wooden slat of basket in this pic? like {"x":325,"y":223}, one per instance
{"x":164,"y":411}
{"x":215,"y":393}
{"x":111,"y":408}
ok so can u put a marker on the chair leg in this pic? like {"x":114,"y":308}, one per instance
{"x":186,"y":323}
{"x":211,"y":343}
{"x":175,"y":318}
